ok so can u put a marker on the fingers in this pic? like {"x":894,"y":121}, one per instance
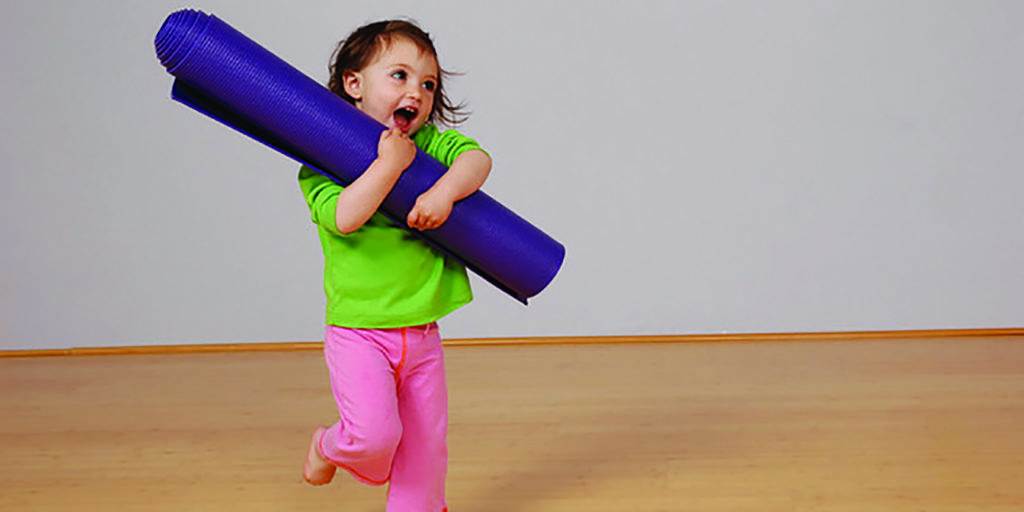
{"x":438,"y":223}
{"x":417,"y":219}
{"x":396,"y":135}
{"x":427,"y":223}
{"x":414,"y":218}
{"x":393,"y":132}
{"x":431,"y":222}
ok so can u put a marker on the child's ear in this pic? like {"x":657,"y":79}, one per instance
{"x":353,"y":82}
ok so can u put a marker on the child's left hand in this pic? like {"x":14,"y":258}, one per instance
{"x":431,"y":210}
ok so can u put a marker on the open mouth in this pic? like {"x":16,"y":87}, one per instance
{"x":404,"y":117}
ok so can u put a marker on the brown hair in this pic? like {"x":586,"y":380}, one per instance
{"x":361,"y":46}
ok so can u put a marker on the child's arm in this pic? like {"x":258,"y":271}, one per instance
{"x":465,"y":176}
{"x":358,"y":202}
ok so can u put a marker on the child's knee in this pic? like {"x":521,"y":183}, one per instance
{"x":378,"y":442}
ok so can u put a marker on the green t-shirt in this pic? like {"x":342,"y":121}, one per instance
{"x":382,"y":276}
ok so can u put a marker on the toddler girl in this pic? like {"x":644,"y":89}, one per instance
{"x":385,"y":287}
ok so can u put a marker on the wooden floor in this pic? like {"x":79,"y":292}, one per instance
{"x":899,"y":425}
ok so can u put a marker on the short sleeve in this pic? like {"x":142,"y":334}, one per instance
{"x":445,"y":146}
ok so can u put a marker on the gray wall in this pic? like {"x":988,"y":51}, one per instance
{"x":712,"y":167}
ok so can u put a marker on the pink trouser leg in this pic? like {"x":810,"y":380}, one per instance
{"x":389,"y":386}
{"x":364,"y":439}
{"x":421,"y":462}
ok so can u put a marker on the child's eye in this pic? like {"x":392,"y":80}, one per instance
{"x":428,"y":85}
{"x":398,"y":74}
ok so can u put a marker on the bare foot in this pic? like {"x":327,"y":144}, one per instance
{"x":317,"y":471}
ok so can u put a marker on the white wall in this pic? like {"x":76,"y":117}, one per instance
{"x":711,"y":167}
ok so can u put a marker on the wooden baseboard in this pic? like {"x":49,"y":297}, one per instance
{"x":532,"y":341}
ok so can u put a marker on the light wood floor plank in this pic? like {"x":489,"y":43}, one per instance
{"x":934,"y":425}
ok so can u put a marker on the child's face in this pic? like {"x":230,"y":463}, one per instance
{"x":398,"y":87}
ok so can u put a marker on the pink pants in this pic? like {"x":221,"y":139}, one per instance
{"x":392,"y":399}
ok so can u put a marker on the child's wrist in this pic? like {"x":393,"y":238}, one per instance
{"x":386,"y":165}
{"x":442,"y":192}
{"x":446,"y":193}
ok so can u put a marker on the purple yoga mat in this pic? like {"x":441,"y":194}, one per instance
{"x":229,"y":77}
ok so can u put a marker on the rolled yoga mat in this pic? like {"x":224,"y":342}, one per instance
{"x":229,"y":77}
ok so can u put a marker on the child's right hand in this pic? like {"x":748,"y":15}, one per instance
{"x":395,"y":149}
